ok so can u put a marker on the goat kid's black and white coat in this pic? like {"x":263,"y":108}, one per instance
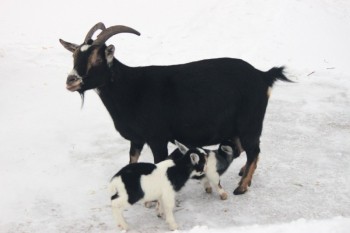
{"x":148,"y":182}
{"x":218,"y":161}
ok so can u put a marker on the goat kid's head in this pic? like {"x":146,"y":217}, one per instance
{"x":93,"y":59}
{"x":198,"y":158}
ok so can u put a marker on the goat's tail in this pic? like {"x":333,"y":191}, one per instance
{"x":274,"y":74}
{"x":113,"y":188}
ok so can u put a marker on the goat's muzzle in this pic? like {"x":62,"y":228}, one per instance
{"x":74,"y":83}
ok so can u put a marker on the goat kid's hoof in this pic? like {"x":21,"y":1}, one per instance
{"x":173,"y":227}
{"x":240,"y":190}
{"x":123,"y":227}
{"x":150,"y":204}
{"x":160,"y":215}
{"x":224,"y":196}
{"x":208,"y":190}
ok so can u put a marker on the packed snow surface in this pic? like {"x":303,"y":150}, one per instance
{"x":56,"y":159}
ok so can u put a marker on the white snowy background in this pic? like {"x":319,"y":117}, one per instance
{"x":56,"y":159}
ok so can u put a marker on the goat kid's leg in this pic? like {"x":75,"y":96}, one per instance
{"x":135,"y":151}
{"x":168,"y":204}
{"x":249,"y":169}
{"x":223,"y":194}
{"x":118,"y":207}
{"x":206,"y":185}
{"x":214,"y":178}
{"x":160,"y":210}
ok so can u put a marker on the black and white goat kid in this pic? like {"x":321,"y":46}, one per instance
{"x":218,"y":161}
{"x":148,"y":182}
{"x":160,"y":104}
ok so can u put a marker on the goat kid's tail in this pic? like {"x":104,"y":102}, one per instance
{"x":274,"y":74}
{"x":113,"y":189}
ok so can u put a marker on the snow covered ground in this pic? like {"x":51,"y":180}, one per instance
{"x":56,"y":160}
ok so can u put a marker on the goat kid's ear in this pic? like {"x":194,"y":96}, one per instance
{"x":227,"y":149}
{"x":194,"y":158}
{"x":109,"y":52}
{"x":183,"y":149}
{"x":69,"y":46}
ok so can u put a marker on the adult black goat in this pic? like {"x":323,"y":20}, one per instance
{"x":198,"y":103}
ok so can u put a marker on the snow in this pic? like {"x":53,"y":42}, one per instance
{"x":56,"y":159}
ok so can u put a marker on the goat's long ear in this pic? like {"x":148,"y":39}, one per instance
{"x":194,"y":158}
{"x":69,"y":46}
{"x":227,"y":149}
{"x":109,"y":52}
{"x":183,"y":149}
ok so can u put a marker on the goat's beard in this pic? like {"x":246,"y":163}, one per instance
{"x":82,"y":95}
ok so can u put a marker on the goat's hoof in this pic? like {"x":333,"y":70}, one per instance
{"x":208,"y":190}
{"x":224,"y":196}
{"x":240,"y":190}
{"x":123,"y":226}
{"x":150,"y":204}
{"x":173,"y":227}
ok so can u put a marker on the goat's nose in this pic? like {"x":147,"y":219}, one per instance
{"x":71,"y":79}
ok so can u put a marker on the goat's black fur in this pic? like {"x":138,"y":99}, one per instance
{"x":199,"y":103}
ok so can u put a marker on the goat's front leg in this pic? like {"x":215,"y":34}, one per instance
{"x":159,"y":150}
{"x":168,"y":204}
{"x":118,"y":206}
{"x":135,"y":151}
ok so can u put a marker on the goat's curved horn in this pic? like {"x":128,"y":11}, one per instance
{"x":98,"y":26}
{"x":111,"y":31}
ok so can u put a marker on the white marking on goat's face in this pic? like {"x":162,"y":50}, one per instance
{"x":74,"y":81}
{"x":75,"y":73}
{"x":84,"y":47}
{"x":269,"y":91}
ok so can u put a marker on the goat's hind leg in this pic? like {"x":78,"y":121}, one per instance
{"x":252,"y":151}
{"x":239,"y":150}
{"x":241,"y":172}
